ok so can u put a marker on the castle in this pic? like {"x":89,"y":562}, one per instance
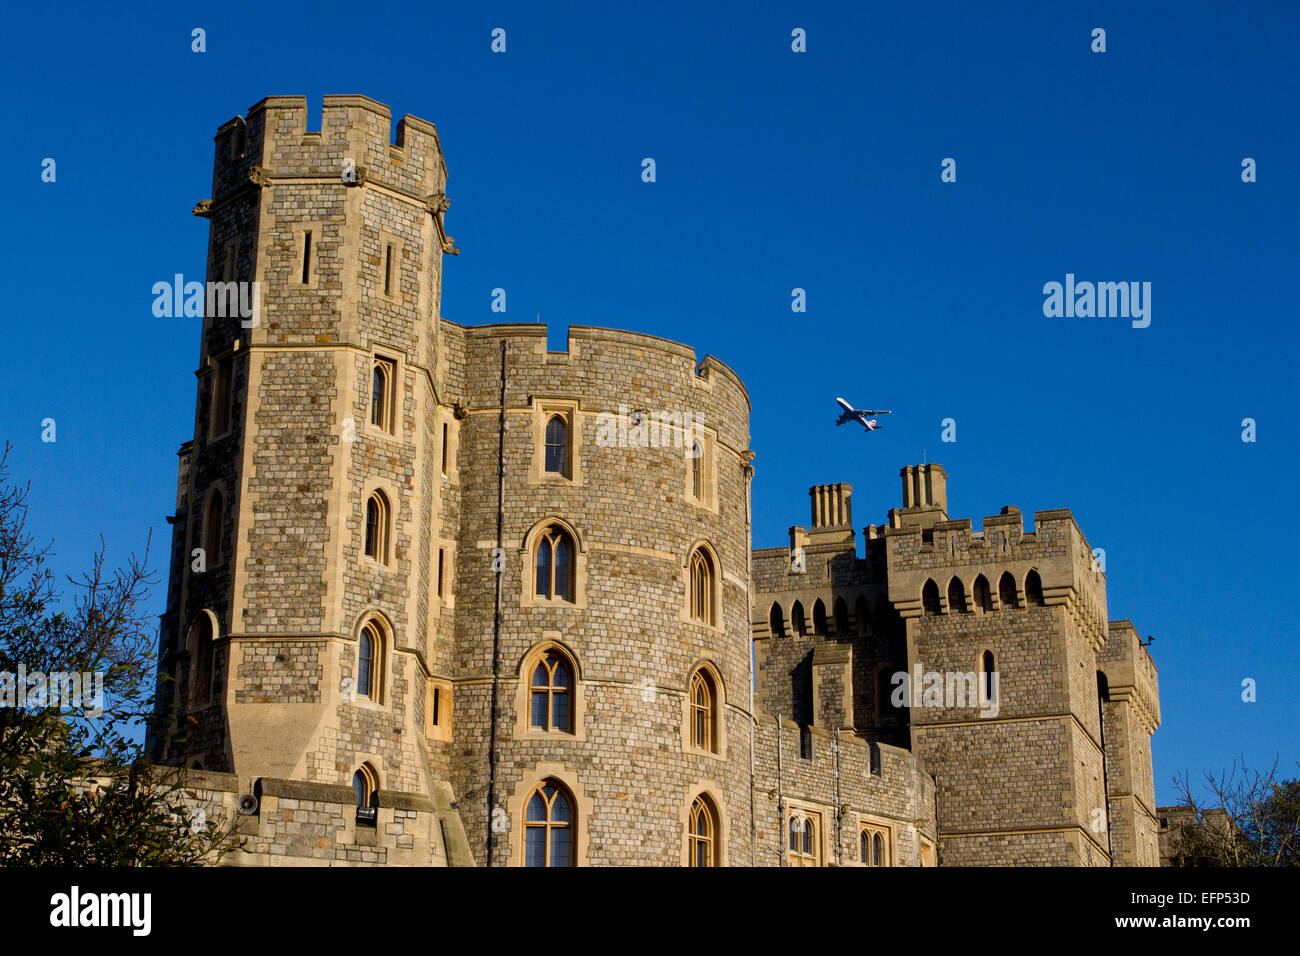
{"x":441,"y":596}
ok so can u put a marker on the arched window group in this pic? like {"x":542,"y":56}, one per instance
{"x":804,"y":840}
{"x":873,"y":847}
{"x":845,"y":626}
{"x":981,"y":597}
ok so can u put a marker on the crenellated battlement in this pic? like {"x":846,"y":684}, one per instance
{"x":1130,"y":672}
{"x":996,"y":568}
{"x":354,"y":146}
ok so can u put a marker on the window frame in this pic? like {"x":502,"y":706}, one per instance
{"x":702,"y":556}
{"x":544,"y":410}
{"x":576,"y":691}
{"x":381,"y":635}
{"x":810,"y":852}
{"x":383,"y":544}
{"x":546,"y":528}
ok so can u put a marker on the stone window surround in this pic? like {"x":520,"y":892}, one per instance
{"x":379,"y":352}
{"x":389,"y":533}
{"x":387,"y":644}
{"x":721,"y":835}
{"x":441,"y":730}
{"x":818,"y":815}
{"x":217,"y":487}
{"x":684,"y":615}
{"x":708,"y":439}
{"x":394,"y":296}
{"x":544,"y":409}
{"x":528,"y":556}
{"x":524,"y":730}
{"x":581,"y":806}
{"x":871,"y":824}
{"x":718,"y":718}
{"x":300,"y":230}
{"x":447,"y":416}
{"x":215,"y":630}
{"x":447,"y":549}
{"x":212,"y":370}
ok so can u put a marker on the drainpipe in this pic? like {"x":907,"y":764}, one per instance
{"x":496,"y":614}
{"x":748,"y":470}
{"x":839,"y":806}
{"x":781,"y":835}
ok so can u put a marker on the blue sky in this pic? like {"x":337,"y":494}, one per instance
{"x":775,"y":170}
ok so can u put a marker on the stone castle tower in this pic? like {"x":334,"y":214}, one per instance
{"x":375,"y":491}
{"x":1037,"y":732}
{"x":441,"y":596}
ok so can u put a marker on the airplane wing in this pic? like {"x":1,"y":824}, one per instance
{"x":846,"y":417}
{"x":875,"y":411}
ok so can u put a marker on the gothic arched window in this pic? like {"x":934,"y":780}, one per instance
{"x":548,"y":826}
{"x":703,"y":833}
{"x":554,"y":564}
{"x":557,"y":445}
{"x":550,"y":693}
{"x":703,"y":587}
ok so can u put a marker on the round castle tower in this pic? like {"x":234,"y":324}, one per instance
{"x":623,"y":536}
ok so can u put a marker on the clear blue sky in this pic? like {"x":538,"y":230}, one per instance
{"x":775,"y":170}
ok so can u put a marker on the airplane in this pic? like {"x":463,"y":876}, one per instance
{"x":860,"y":415}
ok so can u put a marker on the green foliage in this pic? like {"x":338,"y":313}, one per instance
{"x":76,"y":788}
{"x":1256,"y":823}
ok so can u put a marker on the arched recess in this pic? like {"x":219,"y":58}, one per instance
{"x":841,"y":618}
{"x":819,"y":618}
{"x":376,"y":627}
{"x":956,"y":596}
{"x":1007,"y":596}
{"x":1033,"y":590}
{"x":776,"y":620}
{"x":983,"y":599}
{"x":930,"y":598}
{"x":798,"y":626}
{"x":200,"y":642}
{"x":862,"y":611}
